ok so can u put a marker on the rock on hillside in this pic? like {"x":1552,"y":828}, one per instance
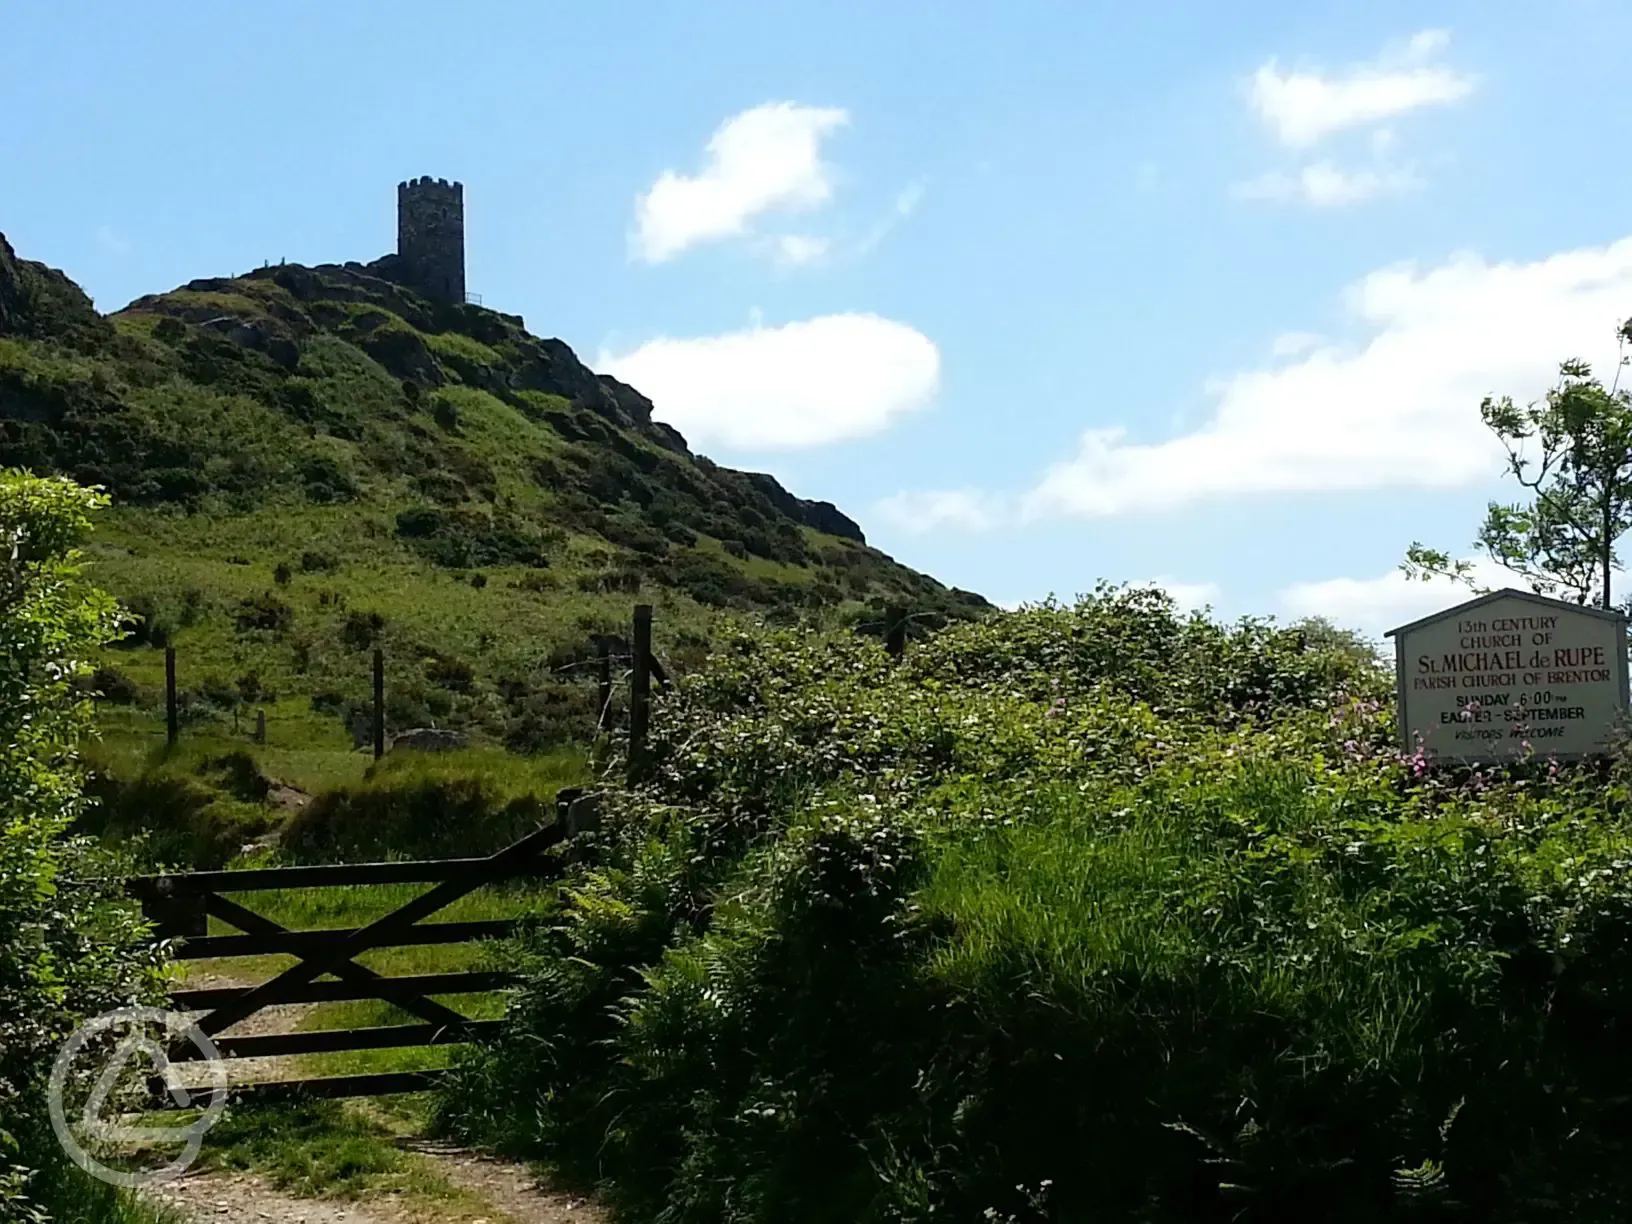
{"x":327,"y":298}
{"x":40,"y":302}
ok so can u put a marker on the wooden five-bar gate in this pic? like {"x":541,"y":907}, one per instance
{"x":180,"y":907}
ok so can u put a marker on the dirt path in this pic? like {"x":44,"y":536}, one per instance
{"x":508,"y":1186}
{"x":237,"y":1199}
{"x":487,"y":1190}
{"x":495,"y":1192}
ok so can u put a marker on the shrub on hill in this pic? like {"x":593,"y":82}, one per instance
{"x":1088,"y":912}
{"x":430,"y":805}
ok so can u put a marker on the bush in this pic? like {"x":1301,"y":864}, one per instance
{"x":328,"y":702}
{"x":144,"y":625}
{"x":326,"y":481}
{"x":251,"y":690}
{"x":189,"y":819}
{"x":462,"y":539}
{"x":362,"y":629}
{"x":538,"y":583}
{"x":65,"y":952}
{"x":1090,"y":912}
{"x":113,"y":686}
{"x":450,"y":673}
{"x":264,"y":612}
{"x":218,"y":692}
{"x":414,"y":806}
{"x":549,"y":715}
{"x":712,"y":581}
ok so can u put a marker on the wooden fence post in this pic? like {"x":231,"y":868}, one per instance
{"x":172,"y":722}
{"x":640,"y":691}
{"x":379,"y":703}
{"x":603,"y":695}
{"x":895,"y":640}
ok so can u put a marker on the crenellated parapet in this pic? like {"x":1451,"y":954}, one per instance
{"x":431,"y":236}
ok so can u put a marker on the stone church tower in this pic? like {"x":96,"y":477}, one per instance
{"x":431,"y":237}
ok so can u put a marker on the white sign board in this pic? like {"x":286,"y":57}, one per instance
{"x":1511,"y":674}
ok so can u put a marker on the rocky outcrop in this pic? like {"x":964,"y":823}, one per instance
{"x":401,"y":352}
{"x":11,"y":291}
{"x":345,"y":283}
{"x":41,"y":303}
{"x":428,"y":739}
{"x":257,"y":336}
{"x":530,"y":363}
{"x":823,"y":516}
{"x":265,"y":325}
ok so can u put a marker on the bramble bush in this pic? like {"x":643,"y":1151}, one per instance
{"x":1084,"y":912}
{"x":67,"y":950}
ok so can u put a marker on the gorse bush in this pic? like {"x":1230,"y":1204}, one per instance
{"x":66,"y":949}
{"x":1082,"y":913}
{"x":431,"y":805}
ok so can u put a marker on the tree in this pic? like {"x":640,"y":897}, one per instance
{"x":65,"y":951}
{"x":1319,"y":633}
{"x":1581,"y":487}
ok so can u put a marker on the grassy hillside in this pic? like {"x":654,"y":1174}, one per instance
{"x":309,"y":462}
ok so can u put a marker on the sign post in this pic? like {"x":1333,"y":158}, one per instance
{"x":1508,"y":675}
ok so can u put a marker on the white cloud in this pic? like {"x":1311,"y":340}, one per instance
{"x":1376,"y":605}
{"x":822,"y":380}
{"x":1397,"y":409}
{"x":795,"y":249}
{"x":1304,"y":107}
{"x":112,"y":240}
{"x":763,"y":159}
{"x":903,"y":206}
{"x":1326,"y":185}
{"x":962,"y":509}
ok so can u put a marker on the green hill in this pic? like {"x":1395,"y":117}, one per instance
{"x":307,"y":462}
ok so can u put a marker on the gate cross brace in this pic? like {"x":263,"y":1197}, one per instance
{"x":251,"y":923}
{"x":329,"y":960}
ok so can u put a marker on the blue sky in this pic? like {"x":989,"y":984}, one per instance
{"x":1040,"y":293}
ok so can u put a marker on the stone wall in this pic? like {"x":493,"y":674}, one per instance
{"x":431,"y":236}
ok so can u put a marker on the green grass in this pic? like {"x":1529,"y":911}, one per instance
{"x":74,"y":1197}
{"x":186,"y":573}
{"x":226,"y":303}
{"x":320,"y":759}
{"x":454,"y":344}
{"x":337,"y":1150}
